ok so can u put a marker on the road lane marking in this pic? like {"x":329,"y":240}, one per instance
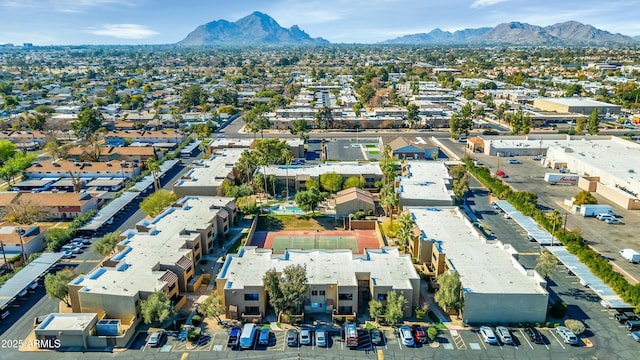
{"x":558,"y":340}
{"x":524,"y":336}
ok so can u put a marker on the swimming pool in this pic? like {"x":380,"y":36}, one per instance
{"x":285,"y":209}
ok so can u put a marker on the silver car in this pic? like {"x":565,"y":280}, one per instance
{"x":504,"y":335}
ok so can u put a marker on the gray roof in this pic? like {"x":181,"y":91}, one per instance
{"x":110,"y":210}
{"x":25,"y":277}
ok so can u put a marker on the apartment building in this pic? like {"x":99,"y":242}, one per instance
{"x":424,"y":183}
{"x":204,"y":177}
{"x":340,"y":283}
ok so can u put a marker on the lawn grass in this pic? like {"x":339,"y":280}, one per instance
{"x":373,"y":152}
{"x":436,"y":322}
{"x":272,"y":222}
{"x":370,"y":145}
{"x":370,"y":326}
{"x":236,"y":245}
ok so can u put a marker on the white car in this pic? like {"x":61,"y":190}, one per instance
{"x":613,"y":221}
{"x":488,"y":335}
{"x":406,"y":336}
{"x":567,"y":336}
{"x":514,"y":161}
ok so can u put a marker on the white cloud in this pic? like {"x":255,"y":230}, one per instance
{"x":124,"y":31}
{"x":66,"y":6}
{"x":483,"y":3}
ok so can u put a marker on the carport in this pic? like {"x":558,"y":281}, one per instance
{"x":26,"y":278}
{"x":609,"y":298}
{"x":528,"y":224}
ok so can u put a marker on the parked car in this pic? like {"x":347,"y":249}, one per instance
{"x":157,"y":338}
{"x":533,"y":334}
{"x":614,"y":221}
{"x":488,"y":335}
{"x":537,"y":157}
{"x":567,"y":335}
{"x":86,"y":241}
{"x":305,"y":336}
{"x":321,"y":338}
{"x":263,"y":337}
{"x":632,"y":325}
{"x":406,"y":336}
{"x":376,"y":337}
{"x":504,"y":335}
{"x":622,"y":317}
{"x":635,"y":335}
{"x":501,"y":174}
{"x":292,"y":337}
{"x":77,"y":250}
{"x":419,"y":334}
{"x":514,"y":161}
{"x":507,"y":216}
{"x":67,"y":254}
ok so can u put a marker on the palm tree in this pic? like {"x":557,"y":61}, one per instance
{"x":153,"y":166}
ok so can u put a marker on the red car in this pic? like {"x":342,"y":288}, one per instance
{"x":419,"y":334}
{"x":501,"y":174}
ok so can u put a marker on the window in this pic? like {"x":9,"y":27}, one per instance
{"x":345,"y":296}
{"x":316,"y":305}
{"x":251,"y":297}
{"x":196,"y":247}
{"x":382,"y":297}
{"x":251,"y":309}
{"x":317,"y":292}
{"x":321,"y":292}
{"x":345,"y":310}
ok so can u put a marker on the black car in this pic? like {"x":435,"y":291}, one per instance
{"x":623,"y":317}
{"x":376,"y":337}
{"x":533,"y":334}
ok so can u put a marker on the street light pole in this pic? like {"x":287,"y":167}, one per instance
{"x":20,"y":231}
{"x":6,"y":264}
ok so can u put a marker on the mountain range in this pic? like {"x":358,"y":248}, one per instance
{"x":259,"y":29}
{"x":254,"y":29}
{"x":566,"y":33}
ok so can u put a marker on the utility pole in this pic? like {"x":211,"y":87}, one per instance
{"x":20,"y":231}
{"x":6,"y":264}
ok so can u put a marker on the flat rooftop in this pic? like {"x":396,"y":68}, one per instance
{"x":342,"y":168}
{"x":426,"y":180}
{"x":387,"y":267}
{"x":212,"y":171}
{"x":67,"y":321}
{"x":576,"y":101}
{"x":164,"y":243}
{"x":484,"y":267}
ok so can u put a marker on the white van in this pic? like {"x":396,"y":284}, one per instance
{"x":248,"y":336}
{"x":567,"y":336}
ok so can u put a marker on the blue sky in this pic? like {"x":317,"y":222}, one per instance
{"x":70,"y":22}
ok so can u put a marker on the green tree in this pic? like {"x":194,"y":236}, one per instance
{"x":388,"y":198}
{"x":449,"y":297}
{"x":155,"y":203}
{"x":413,"y":117}
{"x":331,"y":182}
{"x":461,"y":187}
{"x":353,"y":181}
{"x":575,"y":326}
{"x":287,"y":291}
{"x":324,"y":117}
{"x":584,"y":197}
{"x":15,"y":165}
{"x":300,"y":128}
{"x":309,"y":199}
{"x":7,"y":150}
{"x":88,"y":122}
{"x":394,"y":310}
{"x":546,"y":264}
{"x":580,"y":124}
{"x":154,"y":167}
{"x":156,"y":308}
{"x":366,"y":92}
{"x":376,"y":309}
{"x":405,"y":232}
{"x":192,"y":97}
{"x":212,"y":307}
{"x":105,"y":245}
{"x":57,"y":285}
{"x":36,"y":121}
{"x":594,"y":122}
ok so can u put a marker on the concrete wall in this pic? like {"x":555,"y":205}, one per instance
{"x":504,"y":308}
{"x":236,"y":297}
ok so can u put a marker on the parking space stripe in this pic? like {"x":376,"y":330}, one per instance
{"x":481,"y":341}
{"x":524,"y":336}
{"x":555,"y":337}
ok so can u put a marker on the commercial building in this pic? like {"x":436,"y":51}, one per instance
{"x":496,"y":287}
{"x":584,"y":106}
{"x":340,"y":282}
{"x":424,"y":183}
{"x":159,"y":255}
{"x":205,"y":176}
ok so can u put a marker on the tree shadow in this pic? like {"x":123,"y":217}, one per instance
{"x":269,"y":223}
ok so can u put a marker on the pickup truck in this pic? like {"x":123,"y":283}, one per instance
{"x":234,"y":338}
{"x":623,"y":317}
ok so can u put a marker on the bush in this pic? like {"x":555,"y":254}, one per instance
{"x":432,"y":333}
{"x":547,"y":324}
{"x":576,"y":326}
{"x":196,"y":320}
{"x":193,"y":334}
{"x":421,"y":312}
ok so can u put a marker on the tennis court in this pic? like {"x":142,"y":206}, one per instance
{"x":279,"y":241}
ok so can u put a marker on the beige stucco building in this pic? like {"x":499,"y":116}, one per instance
{"x":340,"y":282}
